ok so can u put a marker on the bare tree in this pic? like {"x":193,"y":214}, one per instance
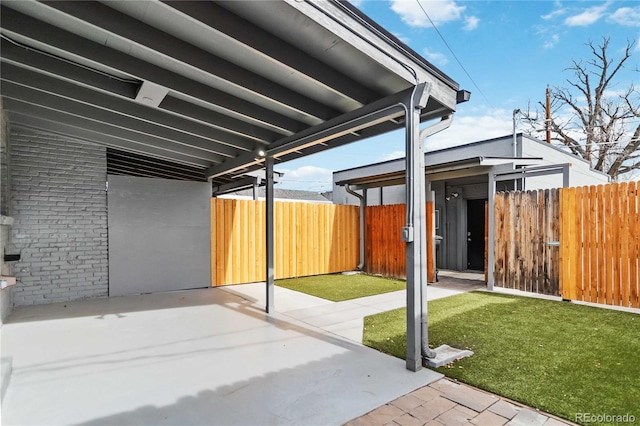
{"x":592,"y":119}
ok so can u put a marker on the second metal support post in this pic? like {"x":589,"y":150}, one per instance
{"x":270,"y":236}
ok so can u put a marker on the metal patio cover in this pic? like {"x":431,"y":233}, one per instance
{"x":206,"y":86}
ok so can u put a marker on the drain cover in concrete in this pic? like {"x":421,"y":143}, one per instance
{"x":445,"y":354}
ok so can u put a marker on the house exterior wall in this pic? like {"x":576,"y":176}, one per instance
{"x":580,"y":172}
{"x":59,"y":204}
{"x":6,"y":299}
{"x":452,"y":253}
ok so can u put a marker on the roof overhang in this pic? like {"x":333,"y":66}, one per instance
{"x":392,"y":173}
{"x":206,"y":85}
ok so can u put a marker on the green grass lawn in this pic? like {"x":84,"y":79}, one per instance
{"x":338,"y":287}
{"x":555,"y":356}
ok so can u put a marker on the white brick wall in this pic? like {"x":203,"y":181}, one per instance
{"x":59,"y":204}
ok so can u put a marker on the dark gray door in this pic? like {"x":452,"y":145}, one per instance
{"x":159,"y":235}
{"x":475,"y":234}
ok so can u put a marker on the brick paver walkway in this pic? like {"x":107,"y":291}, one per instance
{"x":452,"y":404}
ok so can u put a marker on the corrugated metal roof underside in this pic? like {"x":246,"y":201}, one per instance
{"x":200,"y":84}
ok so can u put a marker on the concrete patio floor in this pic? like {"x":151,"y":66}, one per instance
{"x":208,"y":356}
{"x":213,"y":356}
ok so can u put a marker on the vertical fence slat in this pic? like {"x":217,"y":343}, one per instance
{"x":586,"y":245}
{"x":609,"y":247}
{"x":498,"y":237}
{"x":625,"y":285}
{"x":615,"y":244}
{"x":565,"y":227}
{"x":593,"y":245}
{"x":539,"y":234}
{"x":634,"y":206}
{"x":577,"y":246}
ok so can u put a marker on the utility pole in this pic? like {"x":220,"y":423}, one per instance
{"x":547,"y":121}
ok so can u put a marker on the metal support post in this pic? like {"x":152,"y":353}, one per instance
{"x":270,"y":236}
{"x":490,"y":231}
{"x":414,"y":233}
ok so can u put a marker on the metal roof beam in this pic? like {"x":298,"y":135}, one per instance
{"x":17,"y":53}
{"x":231,"y":144}
{"x":120,"y":24}
{"x":146,"y":161}
{"x":18,"y":119}
{"x":238,"y":185}
{"x":274,"y":49}
{"x":228,"y":124}
{"x":51,"y":115}
{"x":18,"y":23}
{"x":123,"y":167}
{"x":367,"y":116}
{"x":164,"y":136}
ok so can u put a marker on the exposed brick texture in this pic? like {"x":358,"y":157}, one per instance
{"x":59,"y":204}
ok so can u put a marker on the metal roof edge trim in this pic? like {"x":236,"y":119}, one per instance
{"x":397,"y":43}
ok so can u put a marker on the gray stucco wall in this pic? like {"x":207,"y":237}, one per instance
{"x":59,"y":204}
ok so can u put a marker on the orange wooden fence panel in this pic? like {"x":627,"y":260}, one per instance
{"x":385,"y":252}
{"x":310,"y":239}
{"x":601,"y":244}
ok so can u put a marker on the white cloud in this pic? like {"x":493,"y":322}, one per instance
{"x":587,"y":17}
{"x":435,"y":57}
{"x":440,"y":11}
{"x":471,"y":23}
{"x":310,"y":178}
{"x":627,"y":16}
{"x":392,"y":155}
{"x":356,"y":3}
{"x":554,"y":14}
{"x":472,"y":128}
{"x":555,"y":38}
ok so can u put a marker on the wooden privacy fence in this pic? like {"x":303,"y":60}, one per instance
{"x":385,"y":252}
{"x":526,"y":235}
{"x":310,"y":239}
{"x":578,"y":243}
{"x":600,"y":237}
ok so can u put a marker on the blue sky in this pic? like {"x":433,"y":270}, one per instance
{"x":511,"y":49}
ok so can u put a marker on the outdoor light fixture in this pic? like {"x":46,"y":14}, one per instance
{"x":452,"y":195}
{"x":260,"y":154}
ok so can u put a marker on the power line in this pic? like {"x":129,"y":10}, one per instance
{"x":454,"y":55}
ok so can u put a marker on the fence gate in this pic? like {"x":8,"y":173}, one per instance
{"x":600,"y":251}
{"x":580,"y":243}
{"x":527,"y":241}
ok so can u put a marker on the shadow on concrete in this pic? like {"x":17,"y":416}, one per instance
{"x":116,"y":306}
{"x":253,"y":369}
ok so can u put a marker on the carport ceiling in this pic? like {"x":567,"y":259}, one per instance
{"x":208,"y":85}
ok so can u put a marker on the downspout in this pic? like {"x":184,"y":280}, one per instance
{"x":427,"y":352}
{"x":363,"y":206}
